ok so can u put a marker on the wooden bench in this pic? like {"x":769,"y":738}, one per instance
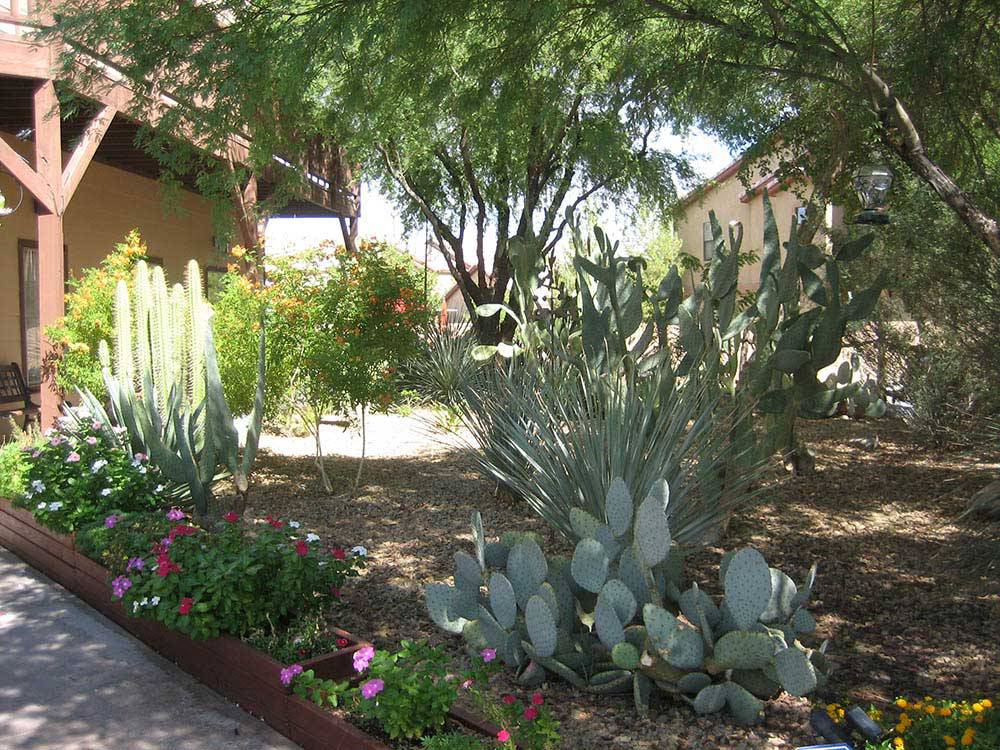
{"x":13,"y":390}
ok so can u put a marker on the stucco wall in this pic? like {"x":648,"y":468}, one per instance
{"x":108,"y":203}
{"x":724,"y":199}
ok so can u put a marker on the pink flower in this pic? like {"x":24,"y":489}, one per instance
{"x":56,"y":440}
{"x":301,"y":548}
{"x":503,"y":735}
{"x":120,"y":585}
{"x":531,"y":713}
{"x":135,"y":563}
{"x":488,"y":654}
{"x":140,"y":456}
{"x":95,"y":425}
{"x":372,"y":688}
{"x":185,"y":606}
{"x":537,"y":699}
{"x":363,"y":657}
{"x":338,"y":553}
{"x":91,"y":440}
{"x":289,"y":673}
{"x":508,"y":699}
{"x":467,"y":684}
{"x":175,"y":514}
{"x":110,"y":521}
{"x":232,"y":517}
{"x":73,"y":457}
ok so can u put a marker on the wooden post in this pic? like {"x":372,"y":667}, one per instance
{"x":51,"y":274}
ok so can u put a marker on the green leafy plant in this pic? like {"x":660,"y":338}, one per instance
{"x":13,"y":467}
{"x":79,"y":475}
{"x":231,"y":580}
{"x":89,"y":317}
{"x":416,"y":690}
{"x":451,"y":741}
{"x":443,"y":365}
{"x":608,"y":620}
{"x":305,"y":636}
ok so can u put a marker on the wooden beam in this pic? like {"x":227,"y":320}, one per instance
{"x":84,"y":152}
{"x":51,"y":284}
{"x":33,"y":182}
{"x":21,"y":58}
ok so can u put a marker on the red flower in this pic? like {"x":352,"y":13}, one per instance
{"x":181,"y":530}
{"x":342,"y":642}
{"x":508,"y":699}
{"x":503,"y":735}
{"x":186,"y":603}
{"x":399,"y":306}
{"x":165,"y":566}
{"x":159,"y":549}
{"x":274,"y":522}
{"x":531,"y":713}
{"x":232,"y":517}
{"x":301,"y":548}
{"x":537,"y":699}
{"x":338,"y":553}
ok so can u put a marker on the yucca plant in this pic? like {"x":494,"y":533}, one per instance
{"x":445,"y":364}
{"x":557,"y":434}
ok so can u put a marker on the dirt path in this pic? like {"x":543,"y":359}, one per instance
{"x":906,"y":595}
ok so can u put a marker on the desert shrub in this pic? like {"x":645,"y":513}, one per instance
{"x":443,"y":364}
{"x":227,"y":580}
{"x":77,"y":476}
{"x":89,"y":316}
{"x":237,"y":311}
{"x":955,"y":400}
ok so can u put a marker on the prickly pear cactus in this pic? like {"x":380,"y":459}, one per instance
{"x":617,"y":617}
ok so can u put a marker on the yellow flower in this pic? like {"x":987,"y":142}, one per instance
{"x":977,"y":707}
{"x":979,"y":718}
{"x":969,"y":735}
{"x":238,"y":252}
{"x":945,"y":712}
{"x":987,"y":703}
{"x":899,"y":743}
{"x":901,"y":728}
{"x":930,"y":710}
{"x":901,"y":702}
{"x":949,"y":740}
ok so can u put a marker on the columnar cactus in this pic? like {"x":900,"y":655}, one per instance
{"x":617,"y":617}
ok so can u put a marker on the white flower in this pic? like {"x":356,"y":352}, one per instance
{"x":144,"y":601}
{"x":312,"y":537}
{"x":155,"y":601}
{"x":293,"y":524}
{"x":159,"y":488}
{"x":359,"y":551}
{"x":55,"y":506}
{"x":135,"y":607}
{"x":41,"y":506}
{"x":142,"y":469}
{"x":38,"y":486}
{"x":106,"y":491}
{"x":322,"y":563}
{"x":98,"y":465}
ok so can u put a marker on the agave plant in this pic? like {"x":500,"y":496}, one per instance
{"x":445,"y":365}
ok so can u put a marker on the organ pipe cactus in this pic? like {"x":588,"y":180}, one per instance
{"x":617,"y":617}
{"x":178,"y":415}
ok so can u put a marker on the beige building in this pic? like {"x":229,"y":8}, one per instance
{"x":75,"y":182}
{"x":732,"y":200}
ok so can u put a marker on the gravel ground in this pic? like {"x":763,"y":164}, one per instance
{"x":909,"y":598}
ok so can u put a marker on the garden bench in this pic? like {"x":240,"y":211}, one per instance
{"x":13,"y":390}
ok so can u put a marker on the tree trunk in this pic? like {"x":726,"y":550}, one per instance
{"x":361,"y":463}
{"x":323,"y":478}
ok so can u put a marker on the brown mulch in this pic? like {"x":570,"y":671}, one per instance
{"x":909,"y":597}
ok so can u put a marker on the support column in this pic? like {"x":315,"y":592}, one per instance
{"x":51,"y":274}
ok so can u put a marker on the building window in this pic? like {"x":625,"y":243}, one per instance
{"x":31,"y":330}
{"x":708,"y":241}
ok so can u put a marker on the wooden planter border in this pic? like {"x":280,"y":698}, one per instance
{"x":229,"y":666}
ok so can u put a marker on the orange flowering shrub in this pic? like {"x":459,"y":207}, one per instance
{"x":89,"y":317}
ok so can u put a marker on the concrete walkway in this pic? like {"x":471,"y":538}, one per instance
{"x":72,"y":680}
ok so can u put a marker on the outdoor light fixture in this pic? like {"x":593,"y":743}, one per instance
{"x":6,"y":210}
{"x":872,"y":185}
